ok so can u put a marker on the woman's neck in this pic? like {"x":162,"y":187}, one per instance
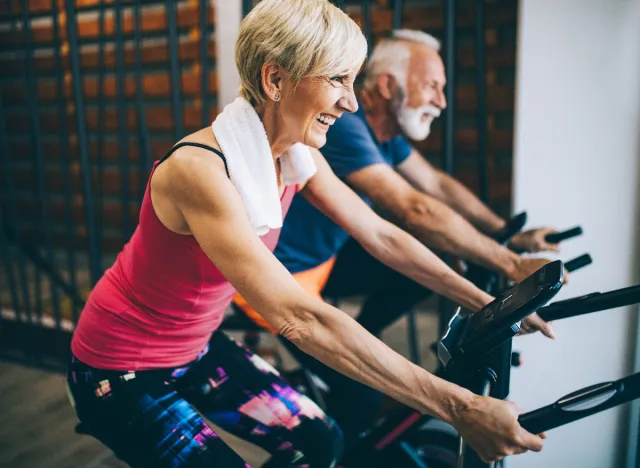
{"x":279,"y":139}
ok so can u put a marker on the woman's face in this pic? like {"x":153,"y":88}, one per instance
{"x":308,"y":110}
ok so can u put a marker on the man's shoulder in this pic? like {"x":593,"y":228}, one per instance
{"x":349,"y":123}
{"x":349,"y":132}
{"x":350,"y":145}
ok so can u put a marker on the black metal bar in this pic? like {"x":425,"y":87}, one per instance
{"x":204,"y":62}
{"x":18,"y":16}
{"x":170,"y":8}
{"x":481,"y":99}
{"x":72,"y":28}
{"x":594,"y":302}
{"x":43,"y":264}
{"x":41,"y":188}
{"x":247,"y":6}
{"x":582,"y":403}
{"x":366,"y":22}
{"x":450,"y":66}
{"x":445,"y":305}
{"x":107,"y":38}
{"x":101,"y":132}
{"x":65,"y":162}
{"x":36,"y":284}
{"x":80,"y":9}
{"x":25,"y":278}
{"x":412,"y":332}
{"x":8,"y":207}
{"x":144,"y":151}
{"x":14,"y":222}
{"x":557,"y":237}
{"x":122,"y":126}
{"x":578,"y":262}
{"x":6,"y":255}
{"x":397,"y":13}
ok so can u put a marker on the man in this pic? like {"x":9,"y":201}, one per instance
{"x":402,"y":95}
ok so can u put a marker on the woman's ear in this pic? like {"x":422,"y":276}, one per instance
{"x":271,"y":79}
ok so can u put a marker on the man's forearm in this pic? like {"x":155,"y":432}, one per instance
{"x":439,"y":227}
{"x":462,"y":200}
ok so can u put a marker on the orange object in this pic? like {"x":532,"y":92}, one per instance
{"x":312,"y":281}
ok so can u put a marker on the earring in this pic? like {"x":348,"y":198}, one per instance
{"x":276,"y":97}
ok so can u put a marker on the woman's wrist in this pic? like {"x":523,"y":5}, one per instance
{"x":447,"y":401}
{"x":481,"y":299}
{"x":472,"y":297}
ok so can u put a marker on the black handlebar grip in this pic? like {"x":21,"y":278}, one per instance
{"x":582,"y":403}
{"x":556,"y":237}
{"x":578,"y":262}
{"x":513,"y":227}
{"x":537,"y":421}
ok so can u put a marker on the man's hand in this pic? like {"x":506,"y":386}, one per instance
{"x":525,"y":267}
{"x":491,"y":428}
{"x":533,"y":323}
{"x":533,"y":241}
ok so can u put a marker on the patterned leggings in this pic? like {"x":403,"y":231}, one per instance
{"x":153,"y":417}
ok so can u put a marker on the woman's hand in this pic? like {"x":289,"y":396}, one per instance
{"x":491,"y":428}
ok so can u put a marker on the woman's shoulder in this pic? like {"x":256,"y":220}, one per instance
{"x":200,"y":143}
{"x":199,"y":150}
{"x":195,"y":160}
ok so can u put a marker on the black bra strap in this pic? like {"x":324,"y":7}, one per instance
{"x":198,"y":145}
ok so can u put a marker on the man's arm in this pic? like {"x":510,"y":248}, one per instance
{"x":385,"y":241}
{"x":445,"y":188}
{"x":434,"y":223}
{"x":394,"y":247}
{"x":432,"y":181}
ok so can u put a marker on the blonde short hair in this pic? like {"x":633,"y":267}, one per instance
{"x":391,"y":55}
{"x":305,"y":37}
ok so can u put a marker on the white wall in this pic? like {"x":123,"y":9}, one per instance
{"x":576,"y":160}
{"x":228,"y":18}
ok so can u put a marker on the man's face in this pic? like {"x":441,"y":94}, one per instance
{"x":421,"y":99}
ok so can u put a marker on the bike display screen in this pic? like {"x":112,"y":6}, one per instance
{"x":515,"y":304}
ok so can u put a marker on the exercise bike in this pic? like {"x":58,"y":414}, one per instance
{"x":407,"y":438}
{"x":475,"y":354}
{"x":404,"y":437}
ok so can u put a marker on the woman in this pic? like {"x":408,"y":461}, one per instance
{"x":148,"y":360}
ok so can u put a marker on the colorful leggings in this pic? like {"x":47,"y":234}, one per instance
{"x":153,"y":417}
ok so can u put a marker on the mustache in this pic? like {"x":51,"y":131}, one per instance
{"x":429,"y":109}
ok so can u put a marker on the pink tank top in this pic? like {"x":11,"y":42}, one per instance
{"x":157,"y":306}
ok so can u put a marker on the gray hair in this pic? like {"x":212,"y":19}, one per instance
{"x":391,"y":55}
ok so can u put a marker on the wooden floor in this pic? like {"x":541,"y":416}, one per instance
{"x":37,"y":423}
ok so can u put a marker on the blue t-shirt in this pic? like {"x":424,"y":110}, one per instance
{"x":308,"y":237}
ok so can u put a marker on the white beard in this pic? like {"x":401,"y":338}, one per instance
{"x":410,"y":120}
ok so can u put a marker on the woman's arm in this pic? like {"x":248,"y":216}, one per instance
{"x":385,"y":241}
{"x":199,"y":190}
{"x":214,"y":213}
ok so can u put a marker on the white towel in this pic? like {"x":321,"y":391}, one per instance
{"x":244,"y":142}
